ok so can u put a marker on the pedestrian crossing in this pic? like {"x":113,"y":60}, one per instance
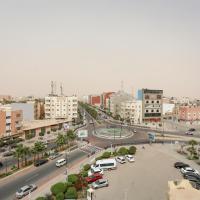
{"x":90,"y":149}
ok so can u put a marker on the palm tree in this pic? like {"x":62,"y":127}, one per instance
{"x":26,"y":152}
{"x":71,"y":135}
{"x":39,"y":147}
{"x":61,"y":140}
{"x":18,"y":154}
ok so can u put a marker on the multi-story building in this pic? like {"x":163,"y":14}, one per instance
{"x":131,"y":111}
{"x":105,"y":100}
{"x":115,"y":102}
{"x":61,"y":107}
{"x":10,"y":121}
{"x":190,"y":113}
{"x":151,"y":106}
{"x":95,"y":100}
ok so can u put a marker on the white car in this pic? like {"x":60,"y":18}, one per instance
{"x":189,"y":169}
{"x":134,"y":131}
{"x":130,"y":158}
{"x":25,"y":190}
{"x":100,"y":183}
{"x":120,"y":159}
{"x":95,"y":170}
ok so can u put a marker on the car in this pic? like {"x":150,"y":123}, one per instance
{"x":192,"y":178}
{"x":54,"y":156}
{"x":40,"y":162}
{"x":134,"y":131}
{"x":25,"y":190}
{"x":94,"y":171}
{"x":130,"y":158}
{"x":189,"y":169}
{"x":192,"y":129}
{"x":120,"y":159}
{"x":93,"y":178}
{"x":197,"y":176}
{"x":1,"y":164}
{"x":9,"y":153}
{"x":189,"y":133}
{"x":180,"y":165}
{"x":100,"y":183}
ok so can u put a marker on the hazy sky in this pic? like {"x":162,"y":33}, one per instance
{"x":91,"y":46}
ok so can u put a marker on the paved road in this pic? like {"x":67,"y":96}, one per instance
{"x":37,"y":175}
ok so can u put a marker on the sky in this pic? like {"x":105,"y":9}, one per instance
{"x":91,"y":46}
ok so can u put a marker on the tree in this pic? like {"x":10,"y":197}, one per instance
{"x":60,"y":196}
{"x":58,"y":188}
{"x":71,"y":135}
{"x":39,"y":147}
{"x":26,"y":152}
{"x":18,"y":154}
{"x":71,"y":193}
{"x":61,"y":140}
{"x":193,"y":143}
{"x":123,"y":151}
{"x":132,"y":150}
{"x":73,"y":178}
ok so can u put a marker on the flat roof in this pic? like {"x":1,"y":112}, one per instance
{"x":29,"y":125}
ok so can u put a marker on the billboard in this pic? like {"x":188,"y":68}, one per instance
{"x":82,"y":133}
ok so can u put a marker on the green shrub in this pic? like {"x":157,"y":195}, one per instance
{"x":123,"y":151}
{"x":41,"y":133}
{"x":84,"y":173}
{"x":98,"y":158}
{"x":132,"y":150}
{"x":73,"y":178}
{"x":68,"y":184}
{"x":60,"y":196}
{"x":71,"y":193}
{"x":58,"y":188}
{"x":106,"y":154}
{"x":41,"y":198}
{"x":86,"y":167}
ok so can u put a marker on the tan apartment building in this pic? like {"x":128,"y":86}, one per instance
{"x":10,"y":121}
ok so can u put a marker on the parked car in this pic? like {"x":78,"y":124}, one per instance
{"x":197,"y":176}
{"x":7,"y":154}
{"x":192,"y":129}
{"x":40,"y":162}
{"x":1,"y":164}
{"x":193,"y":178}
{"x":134,"y":131}
{"x":25,"y":190}
{"x":189,"y":133}
{"x":120,"y":159}
{"x":100,"y":183}
{"x":180,"y":165}
{"x":54,"y":156}
{"x":130,"y":158}
{"x":95,"y":171}
{"x":189,"y":169}
{"x":93,"y":178}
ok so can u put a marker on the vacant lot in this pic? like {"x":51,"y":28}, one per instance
{"x":146,"y":179}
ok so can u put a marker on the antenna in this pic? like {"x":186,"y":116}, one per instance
{"x":52,"y":88}
{"x":61,"y":89}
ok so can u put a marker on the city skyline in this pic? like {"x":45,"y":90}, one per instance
{"x":92,"y":46}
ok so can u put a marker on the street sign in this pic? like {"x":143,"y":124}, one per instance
{"x":83,"y":133}
{"x":151,"y":137}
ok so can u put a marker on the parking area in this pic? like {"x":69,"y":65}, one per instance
{"x":146,"y":179}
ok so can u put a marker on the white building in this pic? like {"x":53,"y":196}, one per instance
{"x":61,"y":107}
{"x":168,"y":108}
{"x":131,"y":111}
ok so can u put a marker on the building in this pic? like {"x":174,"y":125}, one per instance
{"x":190,"y":113}
{"x":168,"y":108}
{"x":10,"y":121}
{"x":131,"y":111}
{"x":182,"y":190}
{"x":61,"y":107}
{"x":5,"y":98}
{"x":115,"y":102}
{"x":28,"y":110}
{"x":105,"y":100}
{"x":152,"y":106}
{"x":95,"y":100}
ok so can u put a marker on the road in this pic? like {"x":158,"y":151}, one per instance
{"x":37,"y":175}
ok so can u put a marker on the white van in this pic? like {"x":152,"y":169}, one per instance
{"x":61,"y":162}
{"x":105,"y":164}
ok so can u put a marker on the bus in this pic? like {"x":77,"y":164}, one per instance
{"x":104,"y":164}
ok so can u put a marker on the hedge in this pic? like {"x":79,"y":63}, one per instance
{"x":86,"y":167}
{"x":41,"y":198}
{"x":106,"y":154}
{"x":123,"y":151}
{"x":132,"y":150}
{"x":73,"y":178}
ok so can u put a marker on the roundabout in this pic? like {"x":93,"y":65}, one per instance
{"x":112,"y":133}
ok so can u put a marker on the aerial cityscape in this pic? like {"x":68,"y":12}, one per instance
{"x":99,"y":100}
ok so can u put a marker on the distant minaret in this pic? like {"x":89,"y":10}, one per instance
{"x":52,"y":88}
{"x":55,"y":88}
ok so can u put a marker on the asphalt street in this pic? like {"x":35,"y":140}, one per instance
{"x":37,"y":176}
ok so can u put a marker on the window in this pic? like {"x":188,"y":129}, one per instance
{"x":147,"y":101}
{"x":152,"y":110}
{"x":158,"y":102}
{"x":147,"y":111}
{"x":157,"y":110}
{"x":152,"y":101}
